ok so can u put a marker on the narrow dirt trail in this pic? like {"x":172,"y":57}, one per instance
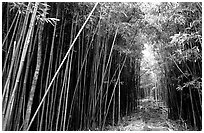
{"x":148,"y":117}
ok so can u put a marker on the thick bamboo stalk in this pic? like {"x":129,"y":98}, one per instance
{"x":35,"y":78}
{"x":41,"y":80}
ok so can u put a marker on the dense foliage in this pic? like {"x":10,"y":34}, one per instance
{"x":178,"y":47}
{"x":78,"y":66}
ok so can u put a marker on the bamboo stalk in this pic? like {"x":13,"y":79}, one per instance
{"x":119,"y":95}
{"x":52,"y":96}
{"x":7,"y":20}
{"x":63,"y":74}
{"x":17,"y":14}
{"x":113,"y":115}
{"x":83,"y":83}
{"x":192,"y":106}
{"x":41,"y":80}
{"x":67,"y":92}
{"x":102,"y":70}
{"x":35,"y":78}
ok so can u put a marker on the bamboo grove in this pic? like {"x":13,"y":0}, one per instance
{"x":186,"y":65}
{"x":87,"y":89}
{"x":177,"y":42}
{"x":77,"y":66}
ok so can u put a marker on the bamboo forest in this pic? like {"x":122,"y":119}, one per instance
{"x":101,"y":66}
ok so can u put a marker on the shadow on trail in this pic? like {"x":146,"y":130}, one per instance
{"x":149,"y":116}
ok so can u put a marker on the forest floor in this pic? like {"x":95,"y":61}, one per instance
{"x":150,"y":116}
